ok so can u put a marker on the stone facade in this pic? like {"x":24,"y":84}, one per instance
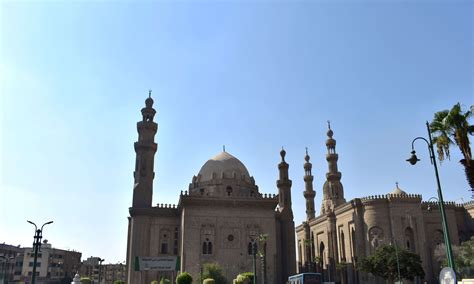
{"x":216,"y":219}
{"x":346,"y":231}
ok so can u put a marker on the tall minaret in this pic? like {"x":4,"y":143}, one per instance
{"x":145,"y":149}
{"x":309,"y":193}
{"x":284,"y":186}
{"x":287,"y":225}
{"x":333,"y":192}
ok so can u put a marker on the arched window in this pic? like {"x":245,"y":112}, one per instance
{"x":229,"y":191}
{"x":164,"y":241}
{"x":353,"y":242}
{"x":409,"y":239}
{"x":321,"y":253}
{"x":343,"y":246}
{"x":207,"y":247}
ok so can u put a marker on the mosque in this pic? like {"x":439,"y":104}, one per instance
{"x":223,"y":213}
{"x":216,"y":221}
{"x":346,"y":231}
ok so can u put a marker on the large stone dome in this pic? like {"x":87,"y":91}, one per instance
{"x":223,"y":165}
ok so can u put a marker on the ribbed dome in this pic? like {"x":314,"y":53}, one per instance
{"x":223,"y":164}
{"x":398,"y":191}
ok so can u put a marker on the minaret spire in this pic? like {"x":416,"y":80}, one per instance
{"x":308,"y":193}
{"x":287,"y":225}
{"x":145,"y":149}
{"x":333,"y":191}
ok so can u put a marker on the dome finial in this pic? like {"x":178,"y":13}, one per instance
{"x":223,"y":148}
{"x":306,"y":158}
{"x":396,"y":184}
{"x":149,"y":93}
{"x":282,"y":154}
{"x":329,"y":133}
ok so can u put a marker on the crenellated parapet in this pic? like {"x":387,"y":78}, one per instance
{"x":241,"y":195}
{"x":163,"y":205}
{"x":403,"y":197}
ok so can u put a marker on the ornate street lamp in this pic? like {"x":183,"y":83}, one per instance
{"x":413,"y":160}
{"x":36,"y":245}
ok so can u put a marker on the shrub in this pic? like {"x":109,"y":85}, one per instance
{"x":119,"y":282}
{"x":245,"y":277}
{"x":209,"y":281}
{"x":154,"y":282}
{"x":184,"y":278}
{"x":213,"y":271}
{"x":86,"y":280}
{"x":165,"y":281}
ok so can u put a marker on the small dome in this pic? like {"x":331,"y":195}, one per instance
{"x":330,"y":133}
{"x":149,"y":102}
{"x":223,"y":164}
{"x":398,"y":191}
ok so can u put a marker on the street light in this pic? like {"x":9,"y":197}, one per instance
{"x":36,"y":245}
{"x":254,"y":255}
{"x":7,"y":261}
{"x":100,"y":263}
{"x":413,"y":160}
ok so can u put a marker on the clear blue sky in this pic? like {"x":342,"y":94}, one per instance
{"x":253,"y":75}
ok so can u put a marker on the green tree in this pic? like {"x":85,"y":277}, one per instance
{"x":245,"y":277}
{"x":184,"y":278}
{"x":383,"y":263}
{"x":463,"y":258}
{"x":165,"y":281}
{"x":213,"y":271}
{"x":209,"y":281}
{"x":452,"y":127}
{"x":86,"y":280}
{"x":119,"y":282}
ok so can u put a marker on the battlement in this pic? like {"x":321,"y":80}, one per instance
{"x":391,"y":196}
{"x":238,"y":195}
{"x":163,"y":205}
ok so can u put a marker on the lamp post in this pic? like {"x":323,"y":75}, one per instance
{"x":6,"y":266}
{"x":36,"y":245}
{"x":398,"y":260}
{"x":254,"y":254}
{"x":413,"y":160}
{"x":100,"y":263}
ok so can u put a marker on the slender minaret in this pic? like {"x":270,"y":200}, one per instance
{"x":287,"y":225}
{"x":145,"y":149}
{"x":284,"y":186}
{"x":333,"y":192}
{"x":309,"y":193}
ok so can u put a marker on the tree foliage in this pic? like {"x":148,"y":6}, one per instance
{"x":463,"y":258}
{"x":119,"y":282}
{"x":451,"y":127}
{"x":213,"y":271}
{"x":245,"y":277}
{"x":86,"y":280}
{"x":184,"y":278}
{"x":383,"y":263}
{"x":164,"y":280}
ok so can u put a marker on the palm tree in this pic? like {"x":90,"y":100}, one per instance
{"x":452,"y":127}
